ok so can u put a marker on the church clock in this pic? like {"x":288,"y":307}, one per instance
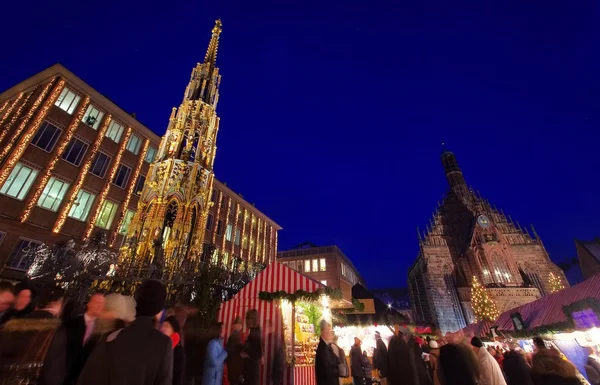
{"x":483,"y":221}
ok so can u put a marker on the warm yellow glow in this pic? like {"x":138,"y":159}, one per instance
{"x":10,"y":109}
{"x":62,"y":217}
{"x":26,"y":137}
{"x":555,"y":283}
{"x":484,"y":307}
{"x":16,"y":115}
{"x":56,"y":153}
{"x":109,"y":180}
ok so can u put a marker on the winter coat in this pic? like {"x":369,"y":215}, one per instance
{"x":356,"y":367}
{"x":550,"y":369}
{"x":434,"y":357}
{"x":380,"y":360}
{"x":490,"y":372}
{"x":253,"y":348}
{"x":178,"y":365}
{"x":592,"y":370}
{"x":136,"y":355}
{"x":367,"y":367}
{"x":326,"y":365}
{"x":516,"y":370}
{"x":277,"y":366}
{"x":235,"y":362}
{"x":33,"y":349}
{"x":214,"y":360}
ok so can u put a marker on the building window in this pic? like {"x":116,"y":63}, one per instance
{"x":75,"y":151}
{"x":92,"y":117}
{"x":100,"y":164}
{"x":139,"y":186}
{"x":293,"y":265}
{"x":343,"y":270}
{"x":251,"y":246}
{"x":299,"y":266}
{"x":324,"y":282}
{"x":22,"y":255}
{"x":46,"y":136}
{"x":226,"y":258}
{"x":322,"y":264}
{"x":150,"y":154}
{"x":228,"y":232}
{"x":126,"y":222}
{"x":238,"y":234}
{"x":315,"y":265}
{"x":19,"y":181}
{"x":284,"y":263}
{"x":114,"y":132}
{"x":122,"y":176}
{"x":67,"y":101}
{"x":209,"y":222}
{"x":258,"y":250}
{"x":53,"y":194}
{"x":82,"y":205}
{"x":134,"y":144}
{"x":213,"y":196}
{"x":107,"y":214}
{"x":219,"y":227}
{"x":245,"y":243}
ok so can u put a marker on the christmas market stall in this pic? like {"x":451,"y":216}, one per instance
{"x":290,"y":306}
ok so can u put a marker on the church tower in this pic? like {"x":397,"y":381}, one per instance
{"x":168,"y":227}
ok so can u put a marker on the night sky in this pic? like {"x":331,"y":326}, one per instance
{"x":333,"y":112}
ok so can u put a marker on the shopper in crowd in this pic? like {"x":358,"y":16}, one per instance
{"x":277,"y":363}
{"x":401,"y":363}
{"x":592,"y":367}
{"x":367,"y":368}
{"x":380,"y":358}
{"x":356,"y":367}
{"x":434,"y":356}
{"x":196,"y":339}
{"x":7,"y":298}
{"x":138,"y":354}
{"x":252,"y":349}
{"x":326,"y":362}
{"x":494,"y":352}
{"x":414,"y":344}
{"x":343,"y":369}
{"x":33,"y":347}
{"x":235,"y":363}
{"x":170,"y":327}
{"x":24,"y":303}
{"x":458,"y":365}
{"x":549,"y":368}
{"x":215,"y":358}
{"x":516,"y":369}
{"x":490,"y":372}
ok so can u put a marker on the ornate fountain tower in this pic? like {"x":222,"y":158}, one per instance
{"x":168,"y":228}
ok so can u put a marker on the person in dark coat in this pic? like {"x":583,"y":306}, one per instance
{"x":549,"y":368}
{"x":326,"y":362}
{"x":138,"y":354}
{"x":380,"y":359}
{"x":24,"y":304}
{"x":252,"y":349}
{"x":170,"y":327}
{"x":196,"y":339}
{"x":401,"y":363}
{"x":516,"y":370}
{"x":458,"y":365}
{"x":414,"y":344}
{"x":356,"y":369}
{"x":235,"y":362}
{"x":367,"y":368}
{"x":33,"y":348}
{"x":278,"y":361}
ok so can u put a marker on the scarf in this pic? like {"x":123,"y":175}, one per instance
{"x":175,"y":338}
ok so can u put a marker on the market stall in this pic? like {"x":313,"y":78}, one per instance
{"x":290,"y":307}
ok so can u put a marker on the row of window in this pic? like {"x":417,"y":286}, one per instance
{"x":68,"y":100}
{"x":348,"y":273}
{"x":229,"y":235}
{"x":308,"y":265}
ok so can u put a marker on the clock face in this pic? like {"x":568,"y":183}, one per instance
{"x":483,"y":221}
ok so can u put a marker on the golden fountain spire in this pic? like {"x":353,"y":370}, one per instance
{"x":213,"y":46}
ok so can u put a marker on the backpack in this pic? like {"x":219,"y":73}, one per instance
{"x":343,"y":369}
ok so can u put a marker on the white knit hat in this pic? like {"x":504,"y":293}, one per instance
{"x":433,"y":344}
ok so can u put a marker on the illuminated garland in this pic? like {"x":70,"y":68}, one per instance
{"x":57,"y":152}
{"x":106,"y":189}
{"x":555,"y":283}
{"x":136,"y":174}
{"x":300,"y":295}
{"x":11,"y":108}
{"x":4,"y":106}
{"x":26,"y":138}
{"x":484,"y":307}
{"x":6,"y":128}
{"x":244,"y":212}
{"x":62,"y":217}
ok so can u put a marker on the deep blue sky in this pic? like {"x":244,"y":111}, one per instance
{"x":332,"y":112}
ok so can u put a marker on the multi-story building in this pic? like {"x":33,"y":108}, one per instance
{"x":326,"y":264}
{"x":72,"y":163}
{"x":588,"y":255}
{"x":468,"y":237}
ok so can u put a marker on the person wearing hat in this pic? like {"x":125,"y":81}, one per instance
{"x":489,"y":370}
{"x":235,"y":362}
{"x":138,"y":354}
{"x":434,"y":358}
{"x":380,"y":358}
{"x":170,"y":327}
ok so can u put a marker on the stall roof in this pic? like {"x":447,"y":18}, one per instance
{"x":478,"y":329}
{"x":549,"y":309}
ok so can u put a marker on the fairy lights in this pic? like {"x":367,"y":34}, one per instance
{"x":56,"y":153}
{"x":11,"y":108}
{"x":136,"y":174}
{"x":555,"y":283}
{"x":484,"y":307}
{"x":62,"y":217}
{"x":109,"y":180}
{"x":26,"y":138}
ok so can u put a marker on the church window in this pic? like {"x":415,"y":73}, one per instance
{"x":114,"y":132}
{"x":107,"y":214}
{"x":67,"y":101}
{"x":93,"y":116}
{"x":134,"y":144}
{"x":81,"y":206}
{"x":19,"y":181}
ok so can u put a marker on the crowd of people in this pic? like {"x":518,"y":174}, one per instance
{"x":410,"y":360}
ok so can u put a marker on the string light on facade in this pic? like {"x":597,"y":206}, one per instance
{"x":106,"y":189}
{"x":484,"y":307}
{"x":56,"y":154}
{"x":556,"y":283}
{"x":26,"y":138}
{"x":11,"y":108}
{"x":62,"y":217}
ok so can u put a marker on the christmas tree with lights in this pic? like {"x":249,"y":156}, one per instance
{"x":484,"y":307}
{"x":555,"y":283}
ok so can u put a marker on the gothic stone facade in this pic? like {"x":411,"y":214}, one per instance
{"x":467,"y":237}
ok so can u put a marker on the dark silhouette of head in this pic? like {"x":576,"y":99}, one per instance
{"x":458,"y":365}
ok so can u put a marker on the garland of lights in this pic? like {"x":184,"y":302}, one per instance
{"x":57,"y":152}
{"x":11,"y":108}
{"x":136,"y":174}
{"x":26,"y":138}
{"x":106,"y":189}
{"x":484,"y":307}
{"x":15,"y":117}
{"x":4,"y":106}
{"x":300,"y":295}
{"x":555,"y":283}
{"x":87,"y":164}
